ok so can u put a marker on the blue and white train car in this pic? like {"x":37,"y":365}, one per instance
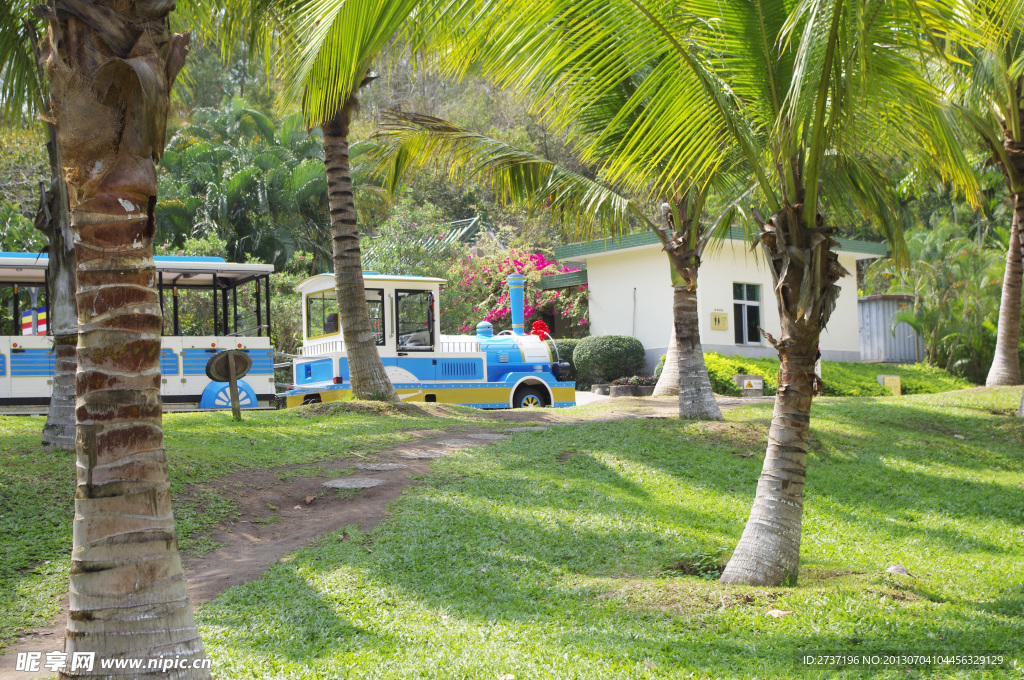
{"x":226,"y":295}
{"x":509,"y":370}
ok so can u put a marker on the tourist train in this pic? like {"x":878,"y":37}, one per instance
{"x":511,"y":369}
{"x":208,"y":305}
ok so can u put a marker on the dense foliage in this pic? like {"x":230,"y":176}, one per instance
{"x":562,"y":349}
{"x":478,"y":291}
{"x":604,"y":358}
{"x":257,"y":184}
{"x":955,"y":281}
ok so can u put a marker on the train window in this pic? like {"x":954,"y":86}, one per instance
{"x":415,"y":313}
{"x":375,"y":305}
{"x":321,"y":314}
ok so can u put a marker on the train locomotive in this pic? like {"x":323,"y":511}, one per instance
{"x":511,"y":369}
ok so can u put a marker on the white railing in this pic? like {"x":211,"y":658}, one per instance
{"x":459,"y":346}
{"x":322,"y":348}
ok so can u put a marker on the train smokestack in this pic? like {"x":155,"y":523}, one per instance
{"x":516,"y":284}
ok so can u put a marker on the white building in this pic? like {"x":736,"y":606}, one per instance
{"x":631,"y":294}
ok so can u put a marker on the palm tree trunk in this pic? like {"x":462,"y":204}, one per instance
{"x":1005,"y":368}
{"x":111,"y":71}
{"x":696,"y":400}
{"x":369,"y":381}
{"x":54,"y":220}
{"x":668,"y":381}
{"x":769,"y":550}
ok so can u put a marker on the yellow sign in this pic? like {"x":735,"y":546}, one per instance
{"x":902,"y":305}
{"x":719,"y":321}
{"x":893,"y":383}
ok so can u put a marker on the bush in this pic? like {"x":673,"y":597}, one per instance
{"x":562,"y":350}
{"x":660,"y":367}
{"x":603,"y":358}
{"x":638,"y":380}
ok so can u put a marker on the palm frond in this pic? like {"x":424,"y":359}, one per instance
{"x":580,"y":205}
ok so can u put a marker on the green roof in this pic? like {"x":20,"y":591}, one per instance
{"x":648,"y":237}
{"x":566,"y":280}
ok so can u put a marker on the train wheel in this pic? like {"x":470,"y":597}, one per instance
{"x":528,"y":397}
{"x":311,"y":399}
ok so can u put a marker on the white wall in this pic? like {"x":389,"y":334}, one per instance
{"x":614,"y":276}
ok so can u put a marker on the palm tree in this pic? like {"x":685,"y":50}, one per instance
{"x":578,"y":204}
{"x":991,"y":74}
{"x":804,"y":92}
{"x":257,"y":184}
{"x":22,"y":91}
{"x":332,"y":47}
{"x":110,"y":68}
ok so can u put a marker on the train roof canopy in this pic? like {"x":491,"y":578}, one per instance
{"x":322,"y":282}
{"x":187,"y":271}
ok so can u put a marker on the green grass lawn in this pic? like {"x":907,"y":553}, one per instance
{"x":842,"y":379}
{"x":37,"y":488}
{"x":565,"y":553}
{"x":551,"y":555}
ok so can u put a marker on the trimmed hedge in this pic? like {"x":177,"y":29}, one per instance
{"x":565,"y":348}
{"x":842,"y":379}
{"x":660,"y":367}
{"x":603,"y":358}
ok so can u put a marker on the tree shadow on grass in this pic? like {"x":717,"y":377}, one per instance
{"x":282,"y":617}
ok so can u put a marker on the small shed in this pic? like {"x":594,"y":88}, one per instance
{"x":879,"y":341}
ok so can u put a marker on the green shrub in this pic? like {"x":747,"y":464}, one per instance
{"x":562,"y":350}
{"x":603,"y":358}
{"x":638,"y":380}
{"x":660,"y":367}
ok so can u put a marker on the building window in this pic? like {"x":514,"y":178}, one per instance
{"x":746,"y":307}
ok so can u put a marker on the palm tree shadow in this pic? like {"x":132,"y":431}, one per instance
{"x":284,"y":615}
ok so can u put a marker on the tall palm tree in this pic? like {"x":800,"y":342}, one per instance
{"x":332,"y":46}
{"x":991,"y":78}
{"x":804,"y":91}
{"x":110,"y":67}
{"x":578,"y":204}
{"x":257,"y":184}
{"x":23,"y":92}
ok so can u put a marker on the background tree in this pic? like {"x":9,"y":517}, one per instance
{"x":23,"y":93}
{"x":111,"y":66}
{"x":804,"y":92}
{"x":990,"y":76}
{"x":336,"y":44}
{"x":579,"y":205}
{"x":256,"y":184}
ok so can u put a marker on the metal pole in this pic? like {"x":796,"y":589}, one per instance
{"x":160,"y":285}
{"x":234,"y":304}
{"x":268,"y":305}
{"x":46,"y":307}
{"x":259,"y":311}
{"x":224,"y":309}
{"x":16,"y":309}
{"x":216,"y":319}
{"x":174,"y":296}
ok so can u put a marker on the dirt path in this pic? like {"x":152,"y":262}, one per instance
{"x":283,"y":509}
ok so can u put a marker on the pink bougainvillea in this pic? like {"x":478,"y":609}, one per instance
{"x":482,"y":292}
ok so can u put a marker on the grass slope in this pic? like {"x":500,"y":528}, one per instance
{"x":842,"y":379}
{"x":552,"y":555}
